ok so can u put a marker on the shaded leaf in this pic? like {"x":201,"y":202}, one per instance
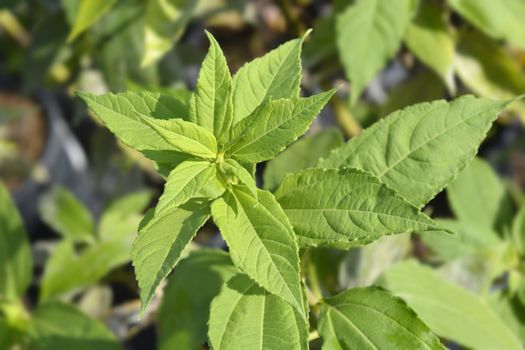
{"x":231,"y":168}
{"x":302,"y":154}
{"x":361,"y":266}
{"x":245,"y":316}
{"x":478,"y":197}
{"x":185,"y":309}
{"x":424,"y":86}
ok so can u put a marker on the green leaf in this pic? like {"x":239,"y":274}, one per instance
{"x":185,"y":309}
{"x":183,"y":136}
{"x":272,"y":76}
{"x":478,"y":197}
{"x":118,"y":113}
{"x":184,"y":182}
{"x":15,"y":255}
{"x":233,"y":169}
{"x":88,"y":12}
{"x":518,"y":230}
{"x":210,"y":104}
{"x":67,"y":215}
{"x":510,"y":310}
{"x":273,"y":126}
{"x":302,"y":154}
{"x":467,"y":239}
{"x":429,"y":38}
{"x":372,"y":318}
{"x":486,"y":68}
{"x":161,"y":241}
{"x":345,"y":208}
{"x":120,"y":220}
{"x":369,"y":33}
{"x":57,"y":326}
{"x":164,"y":25}
{"x":261,"y":241}
{"x":7,"y":334}
{"x":499,"y":19}
{"x":450,"y":311}
{"x":67,"y":271}
{"x":245,"y":316}
{"x":418,"y":150}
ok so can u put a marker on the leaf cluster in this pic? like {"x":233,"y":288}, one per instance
{"x":372,"y":186}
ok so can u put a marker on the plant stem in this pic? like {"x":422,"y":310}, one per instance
{"x":314,"y":281}
{"x":343,"y":116}
{"x":345,"y":119}
{"x":313,"y":335}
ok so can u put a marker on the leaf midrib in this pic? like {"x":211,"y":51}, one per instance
{"x":292,"y":117}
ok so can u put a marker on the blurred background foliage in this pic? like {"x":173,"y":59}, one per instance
{"x":81,"y":194}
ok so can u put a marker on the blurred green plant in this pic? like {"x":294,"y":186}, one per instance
{"x":102,"y":248}
{"x":482,"y":48}
{"x":488,"y":244}
{"x":50,"y":324}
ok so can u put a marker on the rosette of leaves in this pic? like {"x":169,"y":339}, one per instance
{"x":374,"y":185}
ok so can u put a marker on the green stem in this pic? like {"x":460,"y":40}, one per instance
{"x":314,"y":281}
{"x":345,"y":119}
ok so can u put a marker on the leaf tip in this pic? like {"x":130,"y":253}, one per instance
{"x":307,"y":33}
{"x":210,"y":36}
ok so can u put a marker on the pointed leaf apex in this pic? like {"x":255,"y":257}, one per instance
{"x":210,"y":36}
{"x":307,"y":33}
